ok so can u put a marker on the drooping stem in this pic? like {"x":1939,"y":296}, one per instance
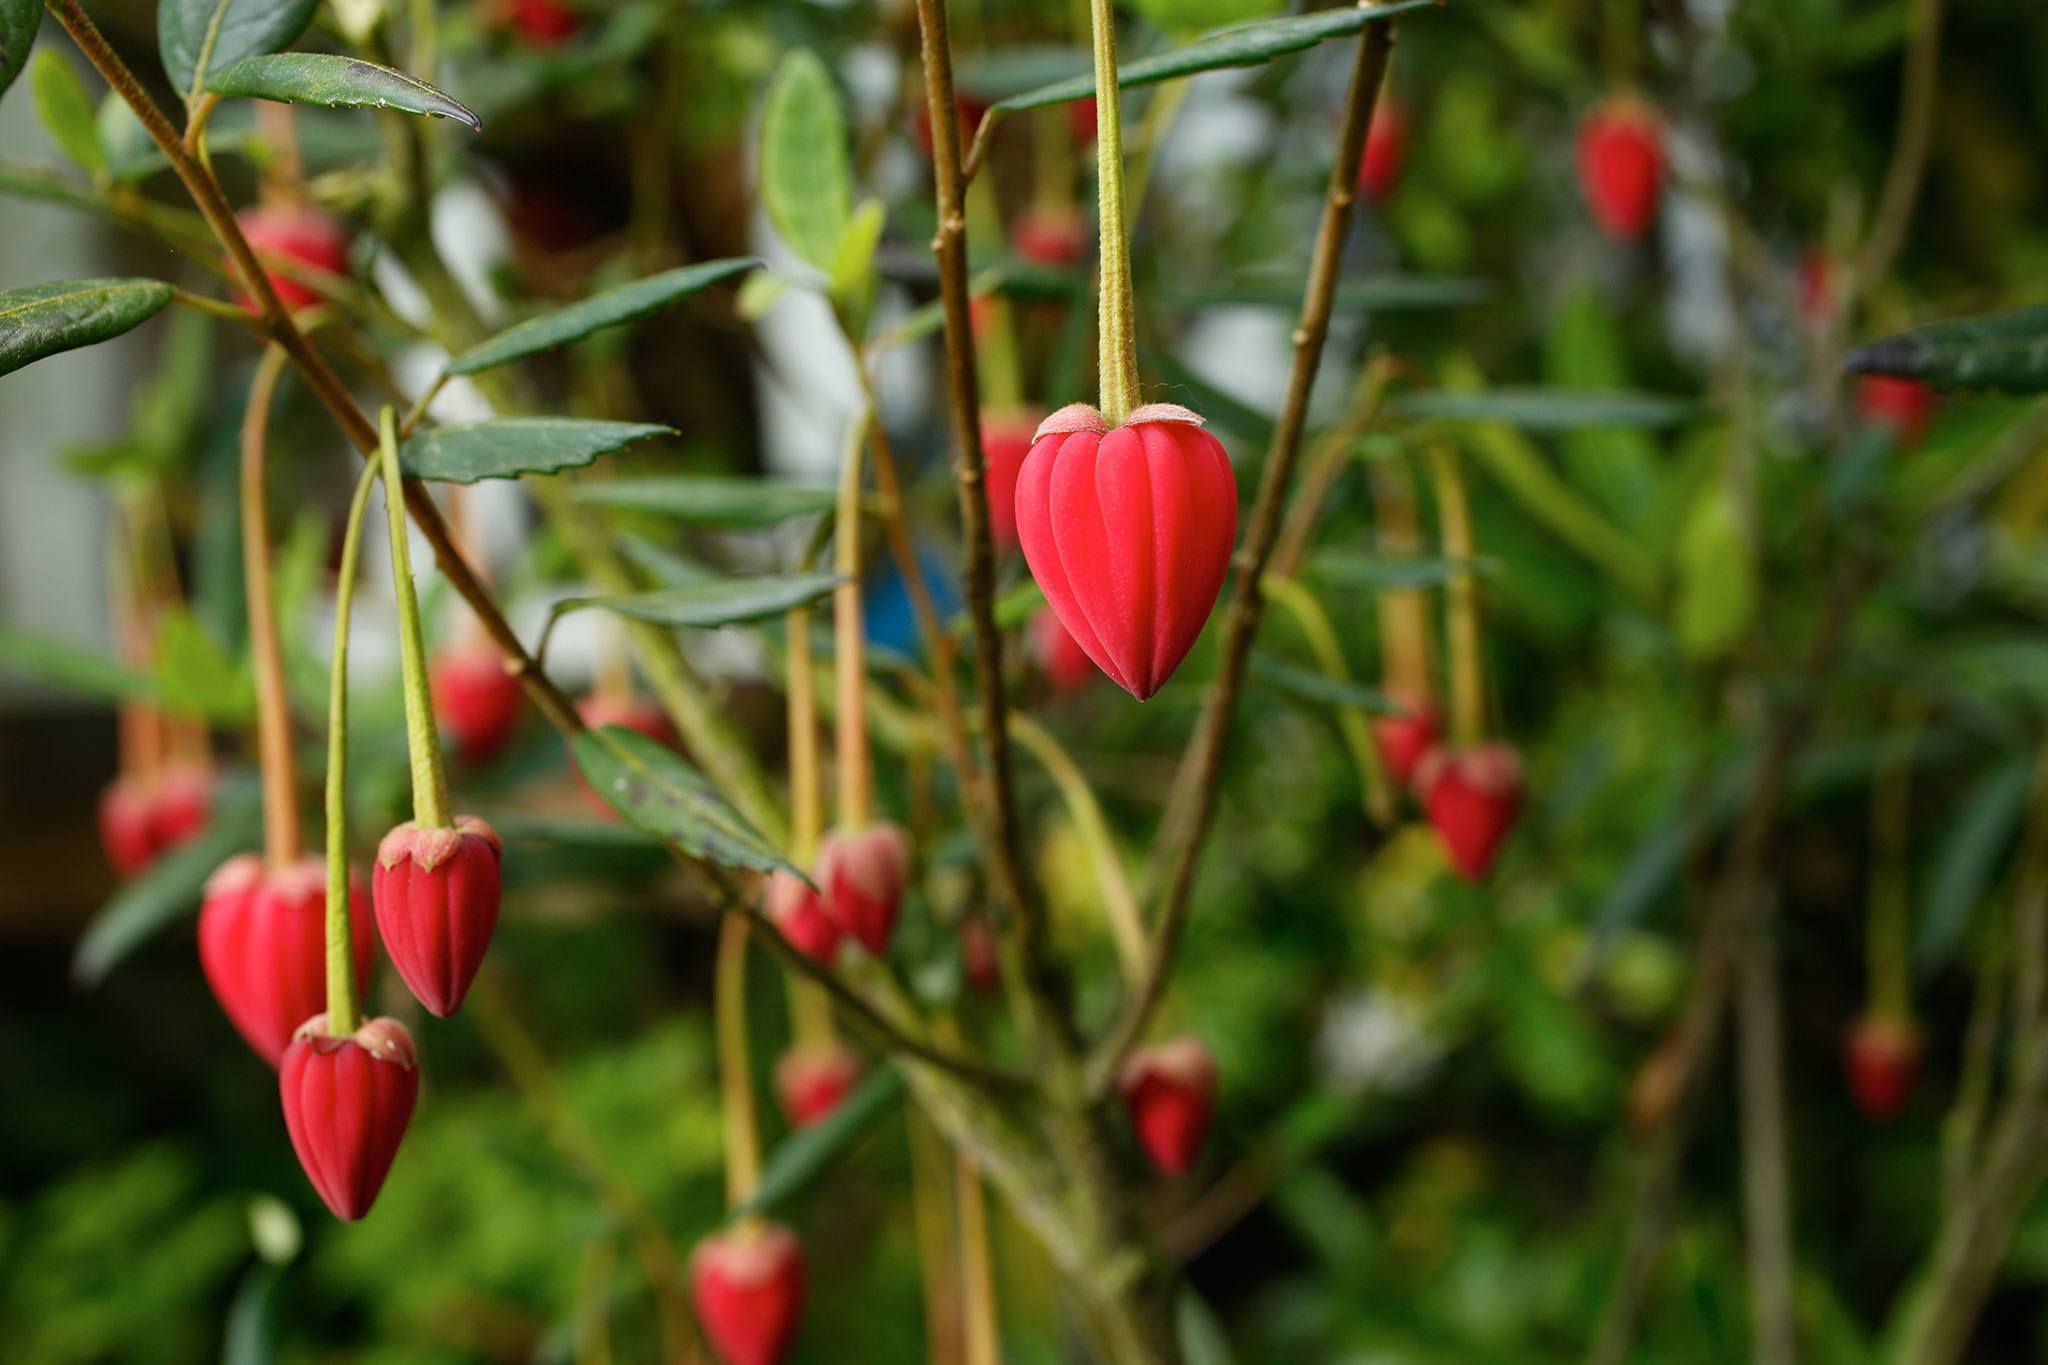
{"x":1405,"y":633}
{"x":429,"y":778}
{"x":1327,"y":459}
{"x":1115,"y":319}
{"x":1461,"y":599}
{"x":735,"y":1074}
{"x":931,"y":1204}
{"x":977,"y":1278}
{"x":810,"y":1012}
{"x":281,"y":842}
{"x":849,"y":663}
{"x":1126,"y":921}
{"x":341,"y":972}
{"x":1193,"y":800}
{"x":1322,"y":642}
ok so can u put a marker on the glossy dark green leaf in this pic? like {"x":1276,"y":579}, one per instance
{"x":507,"y":447}
{"x":667,"y":567}
{"x":1967,"y":858}
{"x":43,"y":319}
{"x":199,"y":37}
{"x":599,"y":311}
{"x":706,"y":500}
{"x":1307,"y":685}
{"x":655,"y":790}
{"x":68,"y":668}
{"x":172,"y":886}
{"x":19,"y":20}
{"x":716,"y":602}
{"x":66,"y":110}
{"x":1547,"y":410}
{"x":807,"y":1153}
{"x":2003,"y":352}
{"x":335,"y":82}
{"x":1001,"y":72}
{"x":1241,"y":45}
{"x":197,"y":677}
{"x":806,"y":174}
{"x":522,"y":827}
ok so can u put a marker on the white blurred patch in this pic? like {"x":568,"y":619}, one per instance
{"x":1375,"y":1041}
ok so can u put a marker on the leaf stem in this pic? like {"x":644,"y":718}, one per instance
{"x":735,"y":1074}
{"x":341,"y":974}
{"x":281,"y":838}
{"x":1116,"y":324}
{"x":429,"y":777}
{"x":1461,"y":600}
{"x":849,"y":661}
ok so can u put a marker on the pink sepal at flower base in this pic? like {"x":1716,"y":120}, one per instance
{"x":1128,"y":533}
{"x":747,"y":1285}
{"x":864,"y":874}
{"x":1472,"y":797}
{"x":810,"y":1082}
{"x":1169,"y":1090}
{"x":263,"y":946}
{"x":797,"y":909}
{"x":436,"y":892}
{"x":347,"y":1102}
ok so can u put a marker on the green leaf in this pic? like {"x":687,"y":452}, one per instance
{"x":196,"y":676}
{"x":608,"y":309}
{"x":1717,"y":578}
{"x":665,"y":566}
{"x":1547,"y":410}
{"x":1201,"y":1336}
{"x":1363,"y":294}
{"x":171,"y":887}
{"x":1354,"y":569}
{"x":43,"y":319}
{"x":1245,"y":45}
{"x":851,"y":276}
{"x":655,"y":790}
{"x":1320,"y":689}
{"x":2004,"y":352}
{"x":123,"y":139}
{"x":807,"y":1153}
{"x":806,"y":179}
{"x":707,"y":500}
{"x":199,"y":37}
{"x":507,"y":447}
{"x":71,"y":669}
{"x":66,"y":110}
{"x":248,"y":1337}
{"x":334,"y":82}
{"x":522,"y":828}
{"x":718,"y":602}
{"x":1967,"y":857}
{"x":19,"y":20}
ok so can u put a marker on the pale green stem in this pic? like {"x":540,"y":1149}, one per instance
{"x":1116,"y":327}
{"x":849,"y":662}
{"x":341,"y":978}
{"x":1126,"y":922}
{"x":429,"y":780}
{"x":1322,"y":642}
{"x":1461,"y":600}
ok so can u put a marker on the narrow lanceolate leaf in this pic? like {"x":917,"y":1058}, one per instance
{"x":1201,"y":1336}
{"x":18,"y":22}
{"x":1548,"y":410}
{"x":1320,"y":689}
{"x":2004,"y":352}
{"x":1967,"y":858}
{"x":704,"y":500}
{"x":334,"y":82}
{"x":719,"y":602}
{"x":1239,"y":45}
{"x":44,"y":319}
{"x":1363,"y":294}
{"x":199,"y":37}
{"x":66,"y":110}
{"x":608,"y":309}
{"x":1352,"y":569}
{"x":71,"y":669}
{"x":654,"y":789}
{"x":809,"y":1152}
{"x":806,"y":176}
{"x":171,"y":887}
{"x":506,"y":447}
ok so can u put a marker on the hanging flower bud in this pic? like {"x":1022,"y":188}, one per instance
{"x":864,"y":873}
{"x":436,"y":893}
{"x":298,"y":234}
{"x":1058,"y":654}
{"x":263,"y":946}
{"x":1472,"y":797}
{"x":1128,"y":533}
{"x":969,"y":112}
{"x":545,"y":23}
{"x":1386,"y":149}
{"x":347,"y":1102}
{"x":183,"y":805}
{"x":475,"y":699}
{"x":978,"y":954}
{"x":798,"y":911}
{"x":1621,"y":167}
{"x":748,"y":1287}
{"x":1405,"y":739}
{"x":1882,"y":1056}
{"x":811,"y":1081}
{"x":1005,"y":441}
{"x":1081,"y":120}
{"x":1169,"y":1089}
{"x":1903,"y":405}
{"x":127,"y":825}
{"x":1054,"y":236}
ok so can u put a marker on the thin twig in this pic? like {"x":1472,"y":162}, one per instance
{"x":1766,"y":1184}
{"x":280,"y":765}
{"x":1194,"y":792}
{"x":1909,"y":152}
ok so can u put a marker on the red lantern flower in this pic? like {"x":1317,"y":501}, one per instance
{"x":1051,"y":236}
{"x":1169,"y":1089}
{"x":1058,"y":654}
{"x":184,"y":803}
{"x":347,"y":1102}
{"x":798,"y":911}
{"x":436,"y":893}
{"x":1472,"y":797}
{"x":1904,"y":405}
{"x":1386,"y":150}
{"x":1882,"y":1056}
{"x":475,"y":699}
{"x":263,"y":946}
{"x":545,"y":23}
{"x":1621,"y":167}
{"x":1128,"y":532}
{"x":864,"y":873}
{"x":1005,"y":441}
{"x":811,"y":1081}
{"x":1404,"y":740}
{"x":1081,"y":120}
{"x":294,"y":233}
{"x":127,"y":812}
{"x":978,"y":954}
{"x":748,"y":1286}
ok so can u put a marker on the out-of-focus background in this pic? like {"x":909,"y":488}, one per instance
{"x":1438,"y":1121}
